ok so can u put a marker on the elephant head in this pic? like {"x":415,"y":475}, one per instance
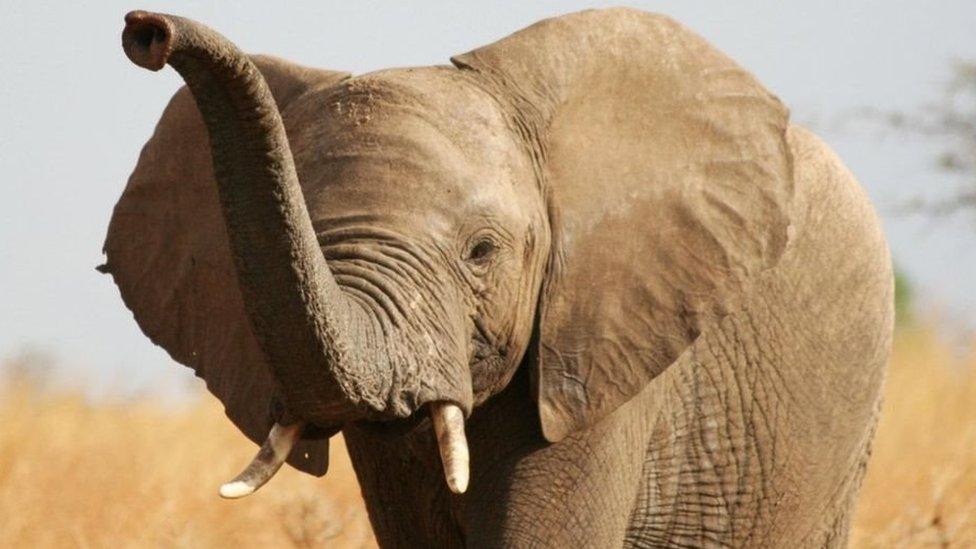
{"x":577,"y":199}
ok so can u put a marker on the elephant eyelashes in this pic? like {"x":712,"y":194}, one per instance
{"x":482,"y":252}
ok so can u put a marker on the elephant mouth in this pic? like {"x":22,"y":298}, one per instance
{"x":483,"y":342}
{"x":406,"y":426}
{"x":488,"y":364}
{"x":485,"y":362}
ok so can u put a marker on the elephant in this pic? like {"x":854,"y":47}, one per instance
{"x":585,"y":286}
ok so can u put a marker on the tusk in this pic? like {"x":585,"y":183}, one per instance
{"x":266,"y":463}
{"x":448,"y":422}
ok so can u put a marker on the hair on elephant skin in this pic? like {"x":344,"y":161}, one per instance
{"x":586,"y":286}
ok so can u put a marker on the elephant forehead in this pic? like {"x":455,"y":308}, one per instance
{"x":422,"y":145}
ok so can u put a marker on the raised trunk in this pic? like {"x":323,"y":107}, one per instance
{"x":306,"y":327}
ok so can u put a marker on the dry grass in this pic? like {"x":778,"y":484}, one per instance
{"x":73,"y":474}
{"x":920,"y":490}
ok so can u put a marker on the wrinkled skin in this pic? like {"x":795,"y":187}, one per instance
{"x":664,"y":310}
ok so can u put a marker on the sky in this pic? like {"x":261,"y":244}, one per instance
{"x":74,"y":114}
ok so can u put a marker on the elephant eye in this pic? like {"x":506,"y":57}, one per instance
{"x":482,"y":251}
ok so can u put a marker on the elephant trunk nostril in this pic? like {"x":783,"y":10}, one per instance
{"x":147,"y":39}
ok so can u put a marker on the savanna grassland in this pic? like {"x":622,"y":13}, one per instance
{"x":141,"y":474}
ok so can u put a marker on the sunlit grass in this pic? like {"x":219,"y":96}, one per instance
{"x":74,"y":474}
{"x":920,"y":489}
{"x":139,"y":474}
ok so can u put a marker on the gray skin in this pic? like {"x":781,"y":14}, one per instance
{"x":664,"y":310}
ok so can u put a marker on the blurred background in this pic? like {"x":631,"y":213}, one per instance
{"x":103,"y":431}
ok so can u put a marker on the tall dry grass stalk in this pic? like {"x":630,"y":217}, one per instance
{"x":74,"y":474}
{"x":920,"y":489}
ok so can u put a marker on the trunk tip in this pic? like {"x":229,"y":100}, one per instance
{"x":147,"y":39}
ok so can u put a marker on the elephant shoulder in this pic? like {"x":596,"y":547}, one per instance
{"x":830,"y":209}
{"x":837,"y":262}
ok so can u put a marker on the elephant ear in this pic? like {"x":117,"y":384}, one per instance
{"x":668,"y":182}
{"x":169,"y":253}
